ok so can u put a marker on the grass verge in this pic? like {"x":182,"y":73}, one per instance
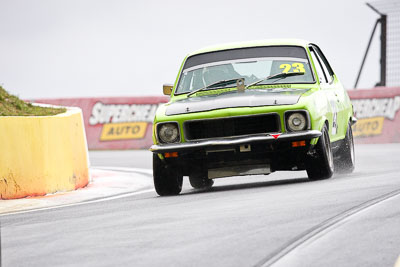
{"x":11,"y":105}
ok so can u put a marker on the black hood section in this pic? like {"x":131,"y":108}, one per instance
{"x":234,"y":99}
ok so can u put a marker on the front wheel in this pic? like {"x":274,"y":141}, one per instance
{"x":320,"y":163}
{"x":167,"y":178}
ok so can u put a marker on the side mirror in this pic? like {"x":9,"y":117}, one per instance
{"x":167,"y":89}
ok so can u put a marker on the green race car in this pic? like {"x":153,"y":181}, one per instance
{"x":250,"y":109}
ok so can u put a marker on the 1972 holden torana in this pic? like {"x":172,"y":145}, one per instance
{"x":252,"y":108}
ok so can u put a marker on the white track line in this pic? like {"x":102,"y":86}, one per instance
{"x":397,"y":264}
{"x":84,"y":202}
{"x":123,"y":169}
{"x":79,"y":203}
{"x":323,"y":228}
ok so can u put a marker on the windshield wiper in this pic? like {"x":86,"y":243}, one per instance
{"x":218,"y":83}
{"x":279,"y":75}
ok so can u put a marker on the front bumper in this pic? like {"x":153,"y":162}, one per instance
{"x":267,"y":138}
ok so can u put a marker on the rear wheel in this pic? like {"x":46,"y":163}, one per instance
{"x":320,"y":163}
{"x":200,"y":182}
{"x":167,"y":178}
{"x":345,"y":156}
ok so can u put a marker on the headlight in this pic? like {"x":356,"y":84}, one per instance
{"x":296,"y":122}
{"x":168,"y":133}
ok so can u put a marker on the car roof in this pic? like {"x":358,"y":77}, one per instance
{"x":269,"y":42}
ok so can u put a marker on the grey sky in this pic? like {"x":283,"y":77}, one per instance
{"x":75,"y":48}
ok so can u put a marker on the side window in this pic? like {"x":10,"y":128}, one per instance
{"x":320,"y":71}
{"x":324,"y":67}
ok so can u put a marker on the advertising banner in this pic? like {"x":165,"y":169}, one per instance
{"x":115,"y":122}
{"x":126,"y":122}
{"x":377,"y":111}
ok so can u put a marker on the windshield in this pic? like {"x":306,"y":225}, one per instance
{"x":195,"y":77}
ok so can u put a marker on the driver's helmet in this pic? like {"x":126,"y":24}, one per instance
{"x":214,"y":74}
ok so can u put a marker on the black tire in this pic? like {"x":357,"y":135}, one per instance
{"x":199,"y":182}
{"x":320,"y":163}
{"x":345,"y":156}
{"x":167,"y":178}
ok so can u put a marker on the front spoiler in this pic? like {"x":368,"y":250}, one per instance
{"x":268,"y":138}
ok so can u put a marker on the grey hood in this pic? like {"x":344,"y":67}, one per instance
{"x":234,"y":99}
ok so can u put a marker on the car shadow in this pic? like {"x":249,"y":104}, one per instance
{"x":243,"y":186}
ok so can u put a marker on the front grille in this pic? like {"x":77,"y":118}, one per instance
{"x":234,"y":126}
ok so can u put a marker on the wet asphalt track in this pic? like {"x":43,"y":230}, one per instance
{"x":281,"y":219}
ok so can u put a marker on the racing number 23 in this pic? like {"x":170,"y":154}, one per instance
{"x":297,"y":67}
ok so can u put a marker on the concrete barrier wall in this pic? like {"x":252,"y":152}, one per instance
{"x":115,"y":122}
{"x":41,"y":155}
{"x":378,"y":114}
